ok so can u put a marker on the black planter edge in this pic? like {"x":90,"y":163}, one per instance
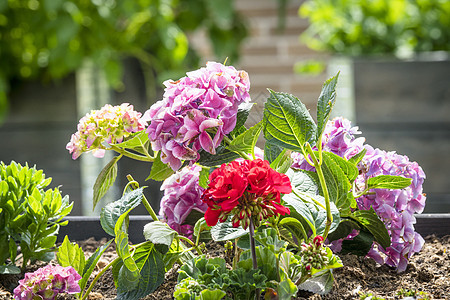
{"x":82,"y":227}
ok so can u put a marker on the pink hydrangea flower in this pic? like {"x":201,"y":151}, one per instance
{"x":196,"y":112}
{"x":182,"y":194}
{"x":110,"y":125}
{"x":45,"y":283}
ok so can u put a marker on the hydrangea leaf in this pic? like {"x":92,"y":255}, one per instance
{"x":246,"y":141}
{"x":370,"y":220}
{"x":358,"y":157}
{"x":129,"y":272}
{"x":282,"y":162}
{"x":223,"y":155}
{"x":295,"y":227}
{"x":320,"y":284}
{"x":203,"y":178}
{"x":105,"y":180}
{"x":138,"y":142}
{"x":287,"y":122}
{"x":272,"y":151}
{"x":325,"y":103}
{"x":360,"y":245}
{"x":160,"y":171}
{"x":112,"y":211}
{"x":91,"y":263}
{"x":345,"y":227}
{"x":151,"y":270}
{"x":200,"y":226}
{"x":159,"y":233}
{"x":388,"y":182}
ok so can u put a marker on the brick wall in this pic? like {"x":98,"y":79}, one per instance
{"x":269,"y":55}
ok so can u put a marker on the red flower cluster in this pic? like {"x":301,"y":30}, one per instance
{"x":245,"y":189}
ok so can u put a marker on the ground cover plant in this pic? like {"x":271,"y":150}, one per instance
{"x":285,"y":210}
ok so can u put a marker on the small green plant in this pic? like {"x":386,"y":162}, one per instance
{"x":369,"y":296}
{"x":419,"y":295}
{"x":30,"y":216}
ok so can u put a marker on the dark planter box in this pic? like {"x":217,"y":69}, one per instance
{"x":81,"y":228}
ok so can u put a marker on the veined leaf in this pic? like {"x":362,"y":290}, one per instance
{"x":287,"y":122}
{"x":358,"y":157}
{"x":129,"y":273}
{"x":295,"y":227}
{"x":242,"y":114}
{"x":223,"y":155}
{"x":337,"y":182}
{"x":272,"y":151}
{"x":388,"y":182}
{"x":246,"y":141}
{"x":225,"y":231}
{"x":304,"y":181}
{"x":151,"y":269}
{"x":325,"y":104}
{"x":159,"y":233}
{"x":370,"y":220}
{"x":160,"y":170}
{"x":112,"y":211}
{"x":105,"y":180}
{"x":349,"y":169}
{"x":70,"y":254}
{"x":139,"y":142}
{"x":320,"y":284}
{"x":283,"y":162}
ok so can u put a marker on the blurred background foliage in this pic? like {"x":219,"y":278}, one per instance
{"x":49,"y":39}
{"x":394,"y":27}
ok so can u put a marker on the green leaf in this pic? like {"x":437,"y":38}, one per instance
{"x":295,"y":227}
{"x":70,"y":254}
{"x":345,"y":227}
{"x":283,"y":162}
{"x":315,"y":216}
{"x":112,"y":211}
{"x":129,"y":272}
{"x":388,"y":182}
{"x":358,"y":157}
{"x":225,"y":231}
{"x":286,"y":289}
{"x":139,"y":142}
{"x":304,"y":181}
{"x":370,"y":220}
{"x":268,"y":237}
{"x":325,"y":104}
{"x":9,"y":269}
{"x":349,"y":169}
{"x":223,"y":155}
{"x":287,"y":122}
{"x":272,"y":151}
{"x":337,"y":182}
{"x":208,"y":294}
{"x":242,"y":114}
{"x":246,"y":141}
{"x":91,"y":263}
{"x":159,"y":233}
{"x":200,"y":226}
{"x":160,"y":171}
{"x":203,"y":178}
{"x":266,"y":259}
{"x":105,"y":180}
{"x":359,"y":245}
{"x":320,"y":284}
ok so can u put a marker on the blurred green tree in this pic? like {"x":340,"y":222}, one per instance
{"x":48,"y":39}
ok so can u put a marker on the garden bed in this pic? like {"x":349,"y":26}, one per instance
{"x":427,"y":271}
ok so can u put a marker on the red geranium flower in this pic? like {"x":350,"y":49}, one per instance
{"x":247,"y":189}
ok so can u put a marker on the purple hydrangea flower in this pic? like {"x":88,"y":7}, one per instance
{"x":182,"y":194}
{"x":196,"y":112}
{"x":396,"y":208}
{"x":45,"y":283}
{"x":110,"y":124}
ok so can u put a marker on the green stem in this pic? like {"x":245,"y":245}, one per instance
{"x":251,"y":229}
{"x":91,"y":286}
{"x":323,"y":184}
{"x":144,"y":199}
{"x":129,"y":154}
{"x":294,"y":191}
{"x":190,"y":243}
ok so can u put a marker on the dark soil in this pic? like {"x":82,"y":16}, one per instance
{"x":428,"y":271}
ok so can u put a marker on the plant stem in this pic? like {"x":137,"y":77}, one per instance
{"x":147,"y":205}
{"x":251,"y":229}
{"x":132,"y":155}
{"x":91,"y":286}
{"x":190,"y":243}
{"x":323,"y":184}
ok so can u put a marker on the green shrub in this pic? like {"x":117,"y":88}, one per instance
{"x":30,"y":216}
